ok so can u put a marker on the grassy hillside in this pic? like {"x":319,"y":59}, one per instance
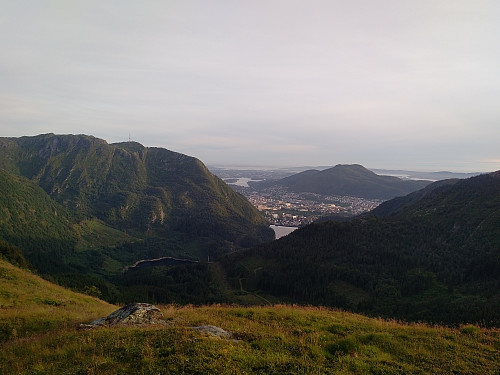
{"x":278,"y":340}
{"x":38,"y":335}
{"x":30,"y":305}
{"x":434,"y":256}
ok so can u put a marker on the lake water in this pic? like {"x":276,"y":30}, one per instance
{"x":243,"y":181}
{"x":282,"y":231}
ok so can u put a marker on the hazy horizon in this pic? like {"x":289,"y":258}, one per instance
{"x":389,"y":85}
{"x":249,"y":166}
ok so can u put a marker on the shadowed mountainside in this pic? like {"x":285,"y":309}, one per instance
{"x":433,"y":255}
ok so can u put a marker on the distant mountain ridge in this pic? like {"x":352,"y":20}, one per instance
{"x":352,"y":180}
{"x":419,"y":175}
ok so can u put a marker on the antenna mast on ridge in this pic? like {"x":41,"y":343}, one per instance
{"x":129,"y":139}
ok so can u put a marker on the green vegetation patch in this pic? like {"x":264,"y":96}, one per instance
{"x":470,"y":329}
{"x":48,"y":301}
{"x":348,"y":345}
{"x":6,"y":274}
{"x":95,"y":234}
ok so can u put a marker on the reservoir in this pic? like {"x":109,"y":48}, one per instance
{"x":282,"y":231}
{"x":242,"y":181}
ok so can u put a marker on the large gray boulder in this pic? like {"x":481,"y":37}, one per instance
{"x":133,"y":314}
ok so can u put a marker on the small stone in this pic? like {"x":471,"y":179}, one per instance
{"x":215,"y":331}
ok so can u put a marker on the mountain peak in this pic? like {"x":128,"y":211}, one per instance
{"x":351,"y":180}
{"x":132,"y":187}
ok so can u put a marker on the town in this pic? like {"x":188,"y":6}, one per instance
{"x":286,"y":208}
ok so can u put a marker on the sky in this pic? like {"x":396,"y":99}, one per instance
{"x":395,"y":84}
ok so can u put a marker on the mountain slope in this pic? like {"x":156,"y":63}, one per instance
{"x":352,"y":180}
{"x":51,"y":238}
{"x":30,"y":216}
{"x":132,"y":187}
{"x":82,"y":210}
{"x":391,"y":207}
{"x":436,"y":258}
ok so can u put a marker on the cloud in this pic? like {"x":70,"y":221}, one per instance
{"x":288,"y":82}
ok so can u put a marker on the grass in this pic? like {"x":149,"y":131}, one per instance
{"x":39,"y":320}
{"x":30,"y":305}
{"x":279,"y":339}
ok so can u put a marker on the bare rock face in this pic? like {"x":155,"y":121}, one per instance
{"x":136,"y":313}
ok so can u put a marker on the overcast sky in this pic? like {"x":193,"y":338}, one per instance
{"x":409,"y":84}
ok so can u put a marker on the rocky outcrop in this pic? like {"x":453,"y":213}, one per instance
{"x":141,"y":314}
{"x":133,"y":314}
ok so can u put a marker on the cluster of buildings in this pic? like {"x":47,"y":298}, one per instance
{"x":283,"y":207}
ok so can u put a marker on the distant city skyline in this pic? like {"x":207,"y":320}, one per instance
{"x":410,"y":85}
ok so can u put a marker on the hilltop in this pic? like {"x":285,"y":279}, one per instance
{"x":351,"y":180}
{"x":39,"y":320}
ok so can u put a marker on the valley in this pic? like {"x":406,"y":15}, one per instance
{"x":347,"y":289}
{"x":428,"y":255}
{"x":284,"y":207}
{"x":431,"y":255}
